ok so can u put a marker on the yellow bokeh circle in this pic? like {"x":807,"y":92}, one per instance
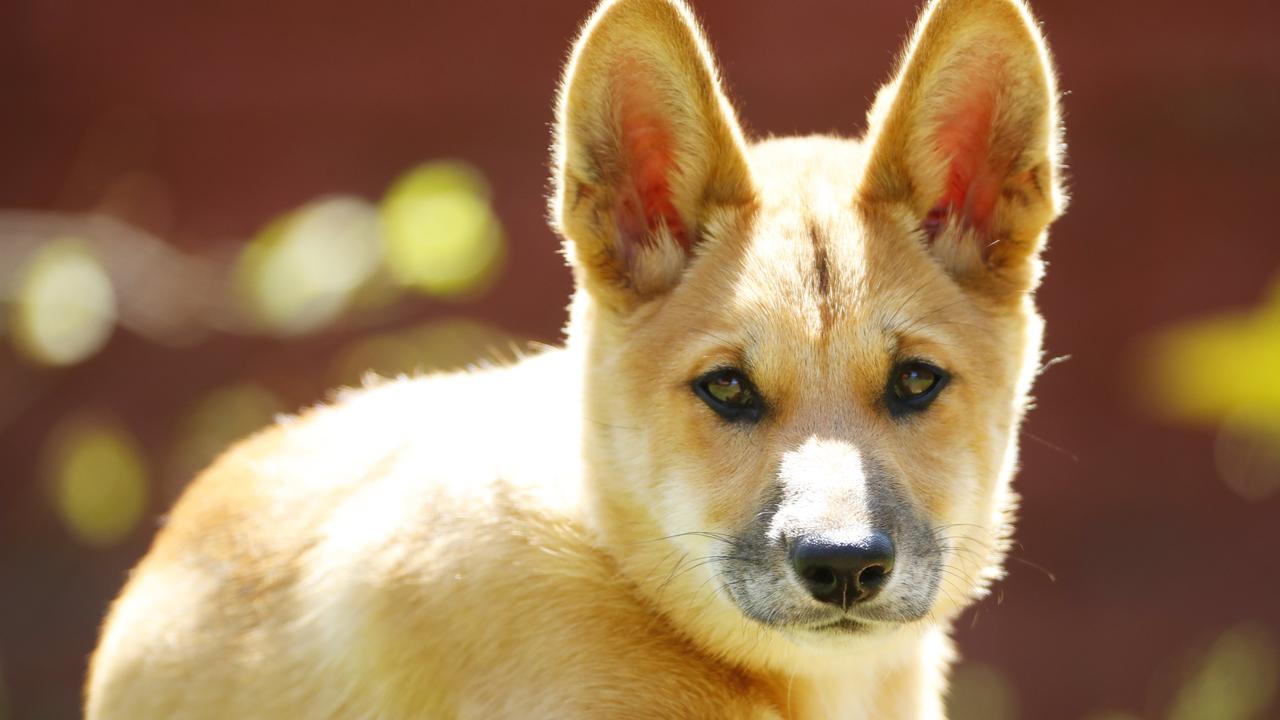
{"x":440,"y":234}
{"x":97,"y":481}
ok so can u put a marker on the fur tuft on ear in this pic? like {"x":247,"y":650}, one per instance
{"x":648,"y":150}
{"x":967,"y":140}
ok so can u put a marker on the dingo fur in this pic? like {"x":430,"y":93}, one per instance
{"x":768,"y":469}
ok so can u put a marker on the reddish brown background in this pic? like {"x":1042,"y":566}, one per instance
{"x":1173,"y":121}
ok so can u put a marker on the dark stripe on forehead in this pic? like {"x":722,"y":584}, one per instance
{"x":822,"y":274}
{"x":821,"y":261}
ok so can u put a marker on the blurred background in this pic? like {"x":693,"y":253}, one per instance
{"x":211,"y":213}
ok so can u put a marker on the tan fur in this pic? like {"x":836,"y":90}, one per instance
{"x":515,"y":543}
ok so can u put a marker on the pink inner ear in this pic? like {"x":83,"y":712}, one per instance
{"x":644,"y":201}
{"x":974,"y":177}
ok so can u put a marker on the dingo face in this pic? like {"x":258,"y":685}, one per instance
{"x":807,"y":357}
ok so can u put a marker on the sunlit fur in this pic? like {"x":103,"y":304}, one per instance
{"x":579,"y":535}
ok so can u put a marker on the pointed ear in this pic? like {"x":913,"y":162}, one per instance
{"x":966,"y":141}
{"x":649,"y":156}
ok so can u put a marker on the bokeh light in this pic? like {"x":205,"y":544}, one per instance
{"x":1221,"y":371}
{"x":440,"y":233}
{"x":301,"y":270}
{"x":981,"y":692}
{"x":1235,"y":680}
{"x":98,"y":481}
{"x":215,"y":421}
{"x":1223,"y":364}
{"x":441,"y":345}
{"x":64,"y":307}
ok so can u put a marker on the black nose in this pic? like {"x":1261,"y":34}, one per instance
{"x":842,"y":571}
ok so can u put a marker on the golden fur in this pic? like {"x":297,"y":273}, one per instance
{"x":546,"y":540}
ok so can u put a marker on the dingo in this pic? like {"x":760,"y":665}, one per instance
{"x":769,"y":467}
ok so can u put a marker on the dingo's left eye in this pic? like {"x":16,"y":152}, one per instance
{"x":913,"y":385}
{"x":730,"y":394}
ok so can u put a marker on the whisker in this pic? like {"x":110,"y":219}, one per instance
{"x":1070,"y":455}
{"x":722,"y":537}
{"x":611,"y":426}
{"x":1047,"y":573}
{"x":1051,"y":362}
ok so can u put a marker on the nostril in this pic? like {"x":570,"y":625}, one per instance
{"x":872,"y":577}
{"x":819,"y":577}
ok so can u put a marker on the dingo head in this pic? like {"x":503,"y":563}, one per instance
{"x":807,"y":358}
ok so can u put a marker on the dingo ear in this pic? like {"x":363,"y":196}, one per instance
{"x":649,"y":155}
{"x":967,"y":140}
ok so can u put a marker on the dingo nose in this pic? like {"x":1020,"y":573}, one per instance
{"x":843,"y":572}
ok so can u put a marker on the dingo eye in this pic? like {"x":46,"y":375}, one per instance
{"x":913,"y":385}
{"x":730,"y":394}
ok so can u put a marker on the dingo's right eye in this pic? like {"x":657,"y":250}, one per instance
{"x":730,"y":394}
